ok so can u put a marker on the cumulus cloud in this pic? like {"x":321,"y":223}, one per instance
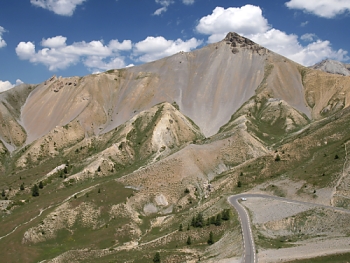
{"x":2,"y":42}
{"x":56,"y":54}
{"x":153,"y":48}
{"x":59,"y":7}
{"x":6,"y":85}
{"x":290,"y":47}
{"x":323,"y":8}
{"x":244,"y":20}
{"x":250,"y":22}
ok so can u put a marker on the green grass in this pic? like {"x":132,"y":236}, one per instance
{"x":276,"y":243}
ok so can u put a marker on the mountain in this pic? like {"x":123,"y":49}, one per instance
{"x":333,"y":66}
{"x":119,"y":165}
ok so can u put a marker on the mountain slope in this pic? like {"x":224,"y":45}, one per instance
{"x":126,"y":160}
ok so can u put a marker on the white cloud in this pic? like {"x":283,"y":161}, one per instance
{"x":188,"y":2}
{"x":308,"y":37}
{"x":6,"y":85}
{"x":159,"y":11}
{"x":304,"y":23}
{"x":290,"y":47}
{"x":25,"y":50}
{"x":98,"y":63}
{"x":54,"y":42}
{"x":245,"y":20}
{"x":56,"y":54}
{"x":164,"y":8}
{"x":115,"y":45}
{"x":2,"y":42}
{"x":153,"y":48}
{"x":59,"y":7}
{"x":323,"y":8}
{"x":249,"y":22}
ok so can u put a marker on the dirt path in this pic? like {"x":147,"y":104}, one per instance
{"x":44,"y":209}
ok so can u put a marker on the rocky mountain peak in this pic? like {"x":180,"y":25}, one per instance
{"x":237,"y":41}
{"x":333,"y":66}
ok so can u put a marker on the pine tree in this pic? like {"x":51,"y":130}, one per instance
{"x":278,"y":158}
{"x":218,"y":220}
{"x":193,"y":221}
{"x":225,"y":214}
{"x":3,"y":193}
{"x":239,"y":184}
{"x":199,"y":222}
{"x":156,"y":258}
{"x":211,"y":238}
{"x":21,"y":187}
{"x":41,"y":185}
{"x":35,"y":190}
{"x":189,"y":242}
{"x":180,"y":227}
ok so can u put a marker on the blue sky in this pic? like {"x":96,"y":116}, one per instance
{"x":40,"y":38}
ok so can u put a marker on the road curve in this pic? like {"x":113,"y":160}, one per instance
{"x":248,"y":241}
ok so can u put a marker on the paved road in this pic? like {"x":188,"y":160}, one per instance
{"x":248,"y":241}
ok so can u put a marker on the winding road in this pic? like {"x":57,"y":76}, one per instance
{"x":248,"y":240}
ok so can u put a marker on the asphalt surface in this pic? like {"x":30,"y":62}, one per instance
{"x":248,"y":240}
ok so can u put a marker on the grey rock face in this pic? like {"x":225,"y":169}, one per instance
{"x":334,"y":67}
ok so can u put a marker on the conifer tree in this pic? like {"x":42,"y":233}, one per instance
{"x":156,"y":258}
{"x":218,"y":220}
{"x":35,"y":190}
{"x":211,"y":238}
{"x":189,"y":242}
